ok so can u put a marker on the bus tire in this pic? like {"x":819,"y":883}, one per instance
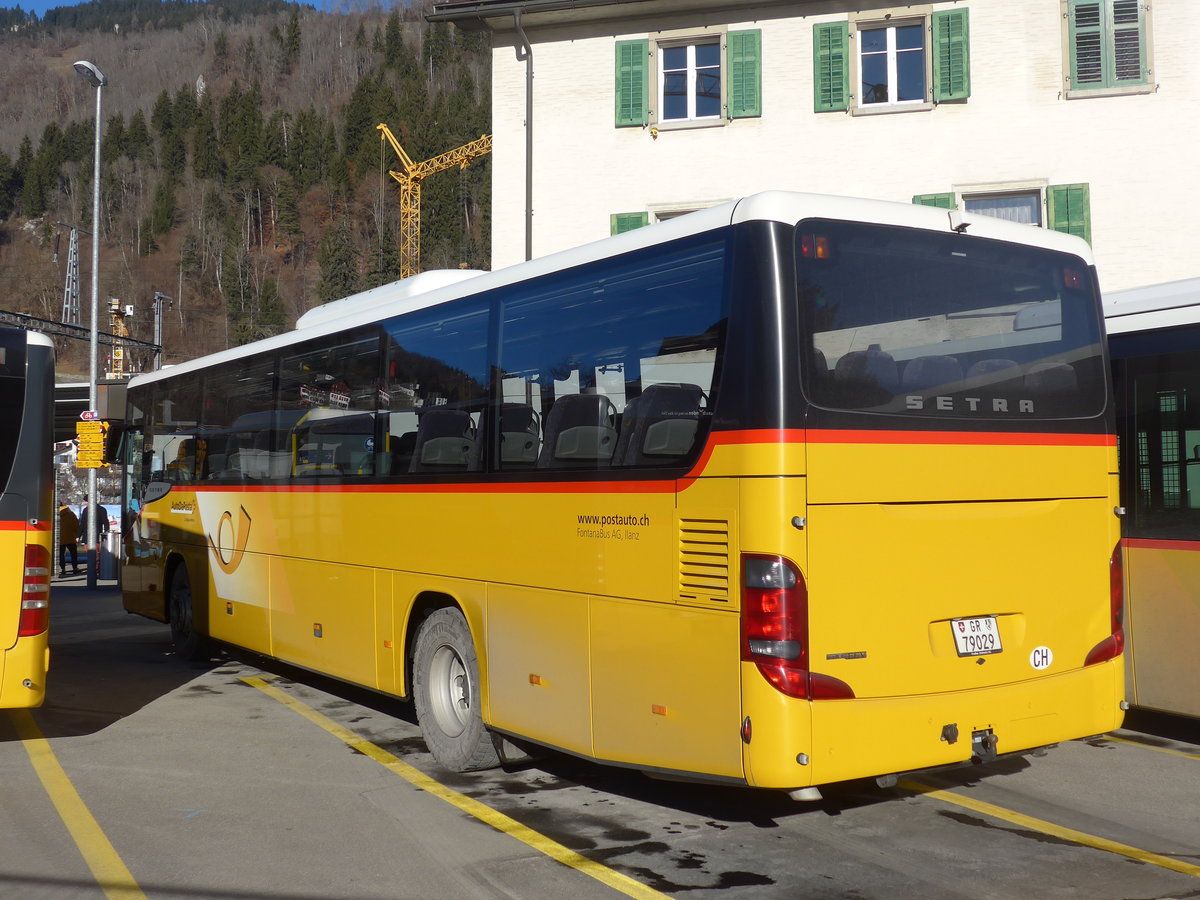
{"x":188,"y":642}
{"x":446,"y":694}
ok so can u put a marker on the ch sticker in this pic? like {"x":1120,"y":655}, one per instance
{"x":240,"y":539}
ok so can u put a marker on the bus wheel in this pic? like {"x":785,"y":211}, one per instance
{"x":446,"y":694}
{"x":188,"y":643}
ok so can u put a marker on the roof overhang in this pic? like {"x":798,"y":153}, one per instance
{"x":497,"y":15}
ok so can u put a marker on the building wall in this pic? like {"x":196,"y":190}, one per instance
{"x":1134,"y":151}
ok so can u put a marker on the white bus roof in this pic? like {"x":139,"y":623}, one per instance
{"x":1165,"y":305}
{"x":788,"y":207}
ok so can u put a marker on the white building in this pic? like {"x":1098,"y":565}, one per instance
{"x":1073,"y":114}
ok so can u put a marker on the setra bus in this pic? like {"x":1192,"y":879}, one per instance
{"x":26,"y":514}
{"x":1154,"y":341}
{"x":789,"y":491}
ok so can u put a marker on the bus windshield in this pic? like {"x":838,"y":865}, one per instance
{"x":947,"y":325}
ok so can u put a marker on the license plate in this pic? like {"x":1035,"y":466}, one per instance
{"x":976,"y":636}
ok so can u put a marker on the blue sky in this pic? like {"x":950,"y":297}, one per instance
{"x":37,"y":6}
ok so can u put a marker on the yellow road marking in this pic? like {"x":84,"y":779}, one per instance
{"x":1070,"y":834}
{"x":99,"y":854}
{"x":1145,"y":746}
{"x":480,"y":811}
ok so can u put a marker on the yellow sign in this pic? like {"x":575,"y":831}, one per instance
{"x":96,"y":427}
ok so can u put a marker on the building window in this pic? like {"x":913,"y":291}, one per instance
{"x":891,"y":64}
{"x":872,"y":63}
{"x":1067,"y":206}
{"x":1107,"y":47}
{"x":689,"y":82}
{"x":677,"y":80}
{"x":1024,"y":207}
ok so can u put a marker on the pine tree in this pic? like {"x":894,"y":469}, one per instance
{"x":339,"y":264}
{"x":137,"y":138}
{"x":161,"y":116}
{"x":291,"y":41}
{"x":6,"y":176}
{"x":162,"y":213}
{"x":112,"y":142}
{"x":287,"y":211}
{"x":207,"y":161}
{"x":383,"y":266}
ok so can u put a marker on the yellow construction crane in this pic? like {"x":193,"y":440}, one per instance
{"x":410,"y":178}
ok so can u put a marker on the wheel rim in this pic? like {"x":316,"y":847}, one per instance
{"x":449,"y":691}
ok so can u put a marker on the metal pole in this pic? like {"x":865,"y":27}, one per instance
{"x":95,"y":77}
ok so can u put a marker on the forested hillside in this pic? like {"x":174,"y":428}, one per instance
{"x":242,"y":171}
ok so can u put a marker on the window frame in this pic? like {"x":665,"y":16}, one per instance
{"x":874,"y":20}
{"x":1110,"y":87}
{"x":689,"y":38}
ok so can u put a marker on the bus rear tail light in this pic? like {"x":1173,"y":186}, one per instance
{"x":1113,"y":645}
{"x":775,"y":629}
{"x":35,"y":592}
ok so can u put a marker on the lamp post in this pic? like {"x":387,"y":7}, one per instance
{"x":96,"y":79}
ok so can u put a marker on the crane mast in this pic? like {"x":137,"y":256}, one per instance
{"x":410,"y":176}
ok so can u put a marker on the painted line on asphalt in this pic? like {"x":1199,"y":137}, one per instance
{"x":1070,"y":834}
{"x":1145,"y":746}
{"x":498,"y":820}
{"x":98,"y":852}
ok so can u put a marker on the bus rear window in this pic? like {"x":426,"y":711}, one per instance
{"x":12,"y":397}
{"x":922,"y":323}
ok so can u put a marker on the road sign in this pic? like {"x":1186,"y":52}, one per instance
{"x":91,"y":426}
{"x":89,"y":414}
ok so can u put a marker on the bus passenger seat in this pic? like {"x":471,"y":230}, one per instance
{"x":660,"y":424}
{"x":1051,"y":378}
{"x":990,"y":367}
{"x":445,"y":439}
{"x":580,"y":431}
{"x":926,"y":372}
{"x":519,"y":435}
{"x":870,"y":368}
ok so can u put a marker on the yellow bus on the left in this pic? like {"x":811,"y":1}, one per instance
{"x":26,"y":510}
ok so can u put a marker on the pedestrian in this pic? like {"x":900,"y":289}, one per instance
{"x":68,"y":539}
{"x":101,"y":523}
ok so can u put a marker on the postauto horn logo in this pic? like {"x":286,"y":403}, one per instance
{"x":240,"y":539}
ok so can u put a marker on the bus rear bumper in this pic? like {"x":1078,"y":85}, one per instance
{"x":871,"y":738}
{"x":23,"y":670}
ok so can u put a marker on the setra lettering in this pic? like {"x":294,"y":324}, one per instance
{"x":1002,"y":405}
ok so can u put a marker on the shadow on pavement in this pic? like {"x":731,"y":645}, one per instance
{"x":104,"y":663}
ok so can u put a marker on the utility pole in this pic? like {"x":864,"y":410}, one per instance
{"x":159,"y":299}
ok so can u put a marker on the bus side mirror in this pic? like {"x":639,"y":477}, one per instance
{"x":156,"y":490}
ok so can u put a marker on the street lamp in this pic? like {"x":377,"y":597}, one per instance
{"x":96,"y":79}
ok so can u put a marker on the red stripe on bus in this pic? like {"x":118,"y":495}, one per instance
{"x":961,"y":438}
{"x":1152,"y":544}
{"x":764,"y":436}
{"x":24,"y":526}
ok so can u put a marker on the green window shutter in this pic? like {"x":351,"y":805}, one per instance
{"x":633,"y":82}
{"x":1129,"y":42}
{"x":942,"y":201}
{"x":619,"y":223}
{"x":1068,"y":208}
{"x":1107,"y":41}
{"x":831,"y":66}
{"x":744,"y":50}
{"x":951,"y":55}
{"x":1085,"y":29}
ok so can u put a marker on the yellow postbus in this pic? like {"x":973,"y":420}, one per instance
{"x":1154,"y":341}
{"x":789,"y":491}
{"x":26,"y":514}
